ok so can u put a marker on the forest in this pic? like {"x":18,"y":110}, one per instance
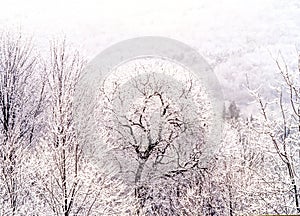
{"x":137,"y":147}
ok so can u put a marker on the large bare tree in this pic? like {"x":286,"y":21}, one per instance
{"x":159,"y":125}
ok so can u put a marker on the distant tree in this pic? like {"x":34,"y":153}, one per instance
{"x":233,"y":110}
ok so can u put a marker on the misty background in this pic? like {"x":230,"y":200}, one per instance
{"x":235,"y":37}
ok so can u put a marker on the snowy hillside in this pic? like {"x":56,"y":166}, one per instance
{"x":235,"y":37}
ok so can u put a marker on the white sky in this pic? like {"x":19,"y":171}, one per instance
{"x":233,"y":35}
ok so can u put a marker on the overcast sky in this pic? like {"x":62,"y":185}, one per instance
{"x":234,"y":36}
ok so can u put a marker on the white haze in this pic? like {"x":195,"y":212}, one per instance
{"x":236,"y":37}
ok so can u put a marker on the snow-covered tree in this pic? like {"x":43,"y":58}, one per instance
{"x":66,"y":181}
{"x":159,"y":126}
{"x":21,"y":103}
{"x":280,"y":121}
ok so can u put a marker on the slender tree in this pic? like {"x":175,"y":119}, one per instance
{"x":67,"y":180}
{"x":21,"y":102}
{"x":281,"y":124}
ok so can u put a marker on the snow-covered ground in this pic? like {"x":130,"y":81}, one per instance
{"x":236,"y":37}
